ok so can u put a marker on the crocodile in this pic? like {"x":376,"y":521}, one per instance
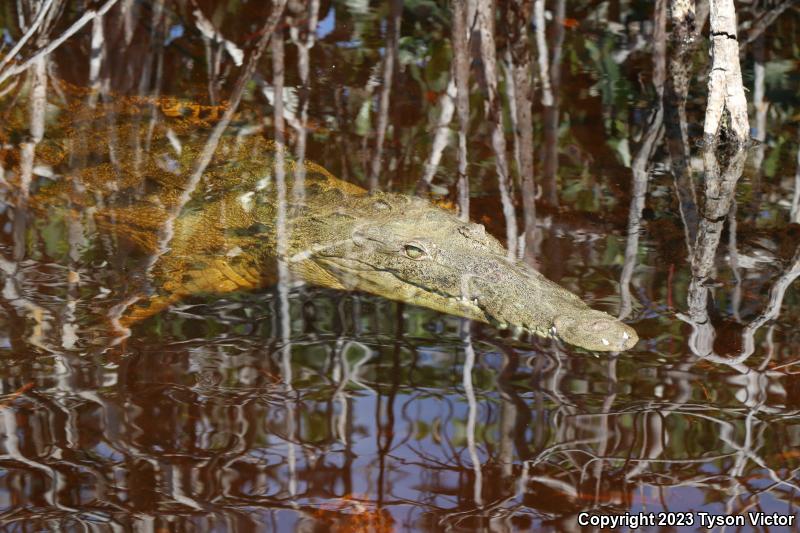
{"x":224,"y":236}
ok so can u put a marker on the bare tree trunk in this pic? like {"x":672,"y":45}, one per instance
{"x":97,"y":83}
{"x":725,"y":89}
{"x":551,"y":112}
{"x":304,"y":43}
{"x":641,"y":162}
{"x":440,"y":136}
{"x":282,"y":237}
{"x":494,"y":114}
{"x":128,"y":22}
{"x":725,"y":92}
{"x":511,"y":94}
{"x":44,"y":17}
{"x":461,"y":77}
{"x":676,"y":90}
{"x":519,"y":16}
{"x":281,"y":245}
{"x":640,"y":182}
{"x":720,"y":188}
{"x":390,"y":55}
{"x":760,"y":104}
{"x":38,"y":103}
{"x":541,"y":45}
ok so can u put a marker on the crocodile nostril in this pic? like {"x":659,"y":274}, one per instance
{"x":601,"y":325}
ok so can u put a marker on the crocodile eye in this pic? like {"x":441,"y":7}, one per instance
{"x":414,"y":252}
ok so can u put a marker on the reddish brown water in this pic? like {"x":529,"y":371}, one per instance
{"x":373,"y":415}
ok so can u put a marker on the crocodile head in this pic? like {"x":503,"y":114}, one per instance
{"x":405,"y":249}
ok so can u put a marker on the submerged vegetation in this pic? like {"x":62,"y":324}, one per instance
{"x":598,"y":140}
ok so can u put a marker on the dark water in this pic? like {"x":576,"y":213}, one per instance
{"x":372,"y":415}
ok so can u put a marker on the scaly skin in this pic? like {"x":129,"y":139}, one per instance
{"x":338,"y":236}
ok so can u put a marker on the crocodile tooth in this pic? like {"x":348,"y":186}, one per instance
{"x":553,"y":331}
{"x":625,"y":336}
{"x":605,"y":342}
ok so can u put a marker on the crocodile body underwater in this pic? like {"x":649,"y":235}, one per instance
{"x":223,"y":237}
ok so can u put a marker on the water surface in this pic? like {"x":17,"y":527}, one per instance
{"x":348,"y":412}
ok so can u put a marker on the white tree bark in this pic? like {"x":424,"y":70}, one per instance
{"x":725,"y":89}
{"x":461,"y":40}
{"x":34,"y":27}
{"x":447,"y":103}
{"x":97,"y":58}
{"x":541,"y":46}
{"x":485,"y":23}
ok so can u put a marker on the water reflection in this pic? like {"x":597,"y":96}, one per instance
{"x":302,"y":408}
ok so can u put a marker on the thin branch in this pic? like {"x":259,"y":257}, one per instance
{"x":72,"y":30}
{"x":211,"y":34}
{"x":763,"y":22}
{"x":28,"y":34}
